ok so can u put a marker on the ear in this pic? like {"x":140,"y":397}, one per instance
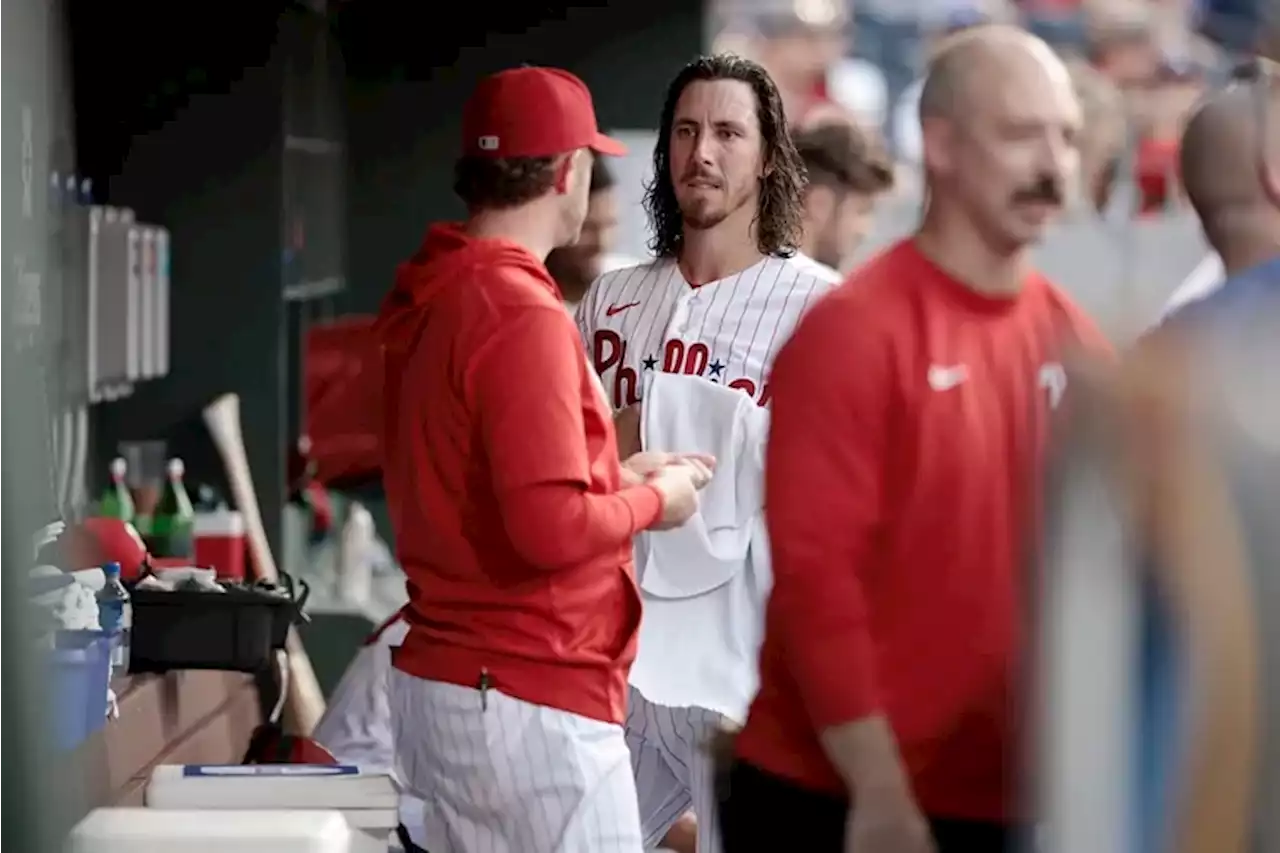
{"x":819,"y":203}
{"x":563,"y":169}
{"x":936,"y":140}
{"x":1269,"y":174}
{"x":766,"y":165}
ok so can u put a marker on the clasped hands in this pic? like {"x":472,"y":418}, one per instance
{"x":676,"y":476}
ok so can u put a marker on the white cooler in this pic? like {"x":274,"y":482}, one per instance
{"x":258,"y":831}
{"x":368,"y":801}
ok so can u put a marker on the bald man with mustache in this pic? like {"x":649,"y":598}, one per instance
{"x":900,"y":492}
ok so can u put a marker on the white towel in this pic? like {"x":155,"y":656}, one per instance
{"x":686,"y":413}
{"x":705,"y":584}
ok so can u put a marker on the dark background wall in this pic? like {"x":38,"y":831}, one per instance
{"x":291,"y":125}
{"x":407,"y":82}
{"x":188,"y":131}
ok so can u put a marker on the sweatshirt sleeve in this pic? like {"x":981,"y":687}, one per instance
{"x":527,"y":387}
{"x":823,"y":505}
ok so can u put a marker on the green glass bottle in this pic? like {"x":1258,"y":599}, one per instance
{"x":117,"y":501}
{"x":173,"y":521}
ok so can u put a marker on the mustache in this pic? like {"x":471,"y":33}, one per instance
{"x":696,"y":174}
{"x":1047,"y":189}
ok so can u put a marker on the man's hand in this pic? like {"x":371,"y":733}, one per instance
{"x":640,"y":466}
{"x":887,"y":822}
{"x":884,"y":817}
{"x":720,"y":749}
{"x":678,"y":483}
{"x":626,"y":423}
{"x":682,"y":837}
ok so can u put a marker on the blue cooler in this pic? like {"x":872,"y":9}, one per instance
{"x":80,"y":666}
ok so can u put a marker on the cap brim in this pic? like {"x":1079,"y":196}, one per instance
{"x":608,"y":145}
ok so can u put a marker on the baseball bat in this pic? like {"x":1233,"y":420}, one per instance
{"x":305,"y":703}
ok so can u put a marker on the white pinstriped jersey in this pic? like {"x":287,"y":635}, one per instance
{"x":817,"y":268}
{"x":649,"y":318}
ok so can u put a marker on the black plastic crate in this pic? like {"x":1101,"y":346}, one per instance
{"x":236,"y":630}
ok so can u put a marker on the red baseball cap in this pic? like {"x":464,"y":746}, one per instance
{"x":532,"y":112}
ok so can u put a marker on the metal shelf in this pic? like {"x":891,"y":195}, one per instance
{"x":305,"y":291}
{"x":311,"y":145}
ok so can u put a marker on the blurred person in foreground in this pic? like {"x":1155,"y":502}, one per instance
{"x":900,"y":491}
{"x":1160,"y":424}
{"x":512,"y":513}
{"x":1208,"y":275}
{"x":847,"y":173}
{"x":1219,"y":365}
{"x":685,"y":345}
{"x":574,"y":267}
{"x":1205,"y":278}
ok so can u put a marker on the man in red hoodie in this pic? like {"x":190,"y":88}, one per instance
{"x":909,"y":417}
{"x":513,"y":516}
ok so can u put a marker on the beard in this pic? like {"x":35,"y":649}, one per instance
{"x":703,"y":214}
{"x":704,"y":221}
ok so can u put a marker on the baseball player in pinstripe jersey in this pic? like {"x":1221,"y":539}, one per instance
{"x":722,"y":295}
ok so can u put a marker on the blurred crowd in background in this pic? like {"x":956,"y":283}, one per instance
{"x":1138,"y":65}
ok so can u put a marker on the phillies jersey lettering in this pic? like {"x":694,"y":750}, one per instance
{"x":728,"y":331}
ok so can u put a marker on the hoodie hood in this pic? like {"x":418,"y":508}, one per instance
{"x":443,"y":261}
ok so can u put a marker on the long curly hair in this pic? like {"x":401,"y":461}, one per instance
{"x":778,"y":220}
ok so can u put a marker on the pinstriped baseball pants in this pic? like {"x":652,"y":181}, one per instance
{"x":673,"y":767}
{"x":508,"y":776}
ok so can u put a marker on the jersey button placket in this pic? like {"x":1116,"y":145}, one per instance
{"x":679,"y":322}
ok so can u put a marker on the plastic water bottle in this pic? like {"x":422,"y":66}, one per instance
{"x":115,"y":616}
{"x":354,"y":569}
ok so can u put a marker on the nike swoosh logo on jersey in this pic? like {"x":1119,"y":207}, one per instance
{"x":618,"y":309}
{"x":943,"y":378}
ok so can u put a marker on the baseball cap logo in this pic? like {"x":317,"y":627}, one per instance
{"x":532,"y":112}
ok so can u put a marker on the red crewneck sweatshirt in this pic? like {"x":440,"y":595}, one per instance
{"x":909,"y":416}
{"x":503,"y":481}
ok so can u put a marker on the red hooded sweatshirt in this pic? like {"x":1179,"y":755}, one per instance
{"x":504,"y":485}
